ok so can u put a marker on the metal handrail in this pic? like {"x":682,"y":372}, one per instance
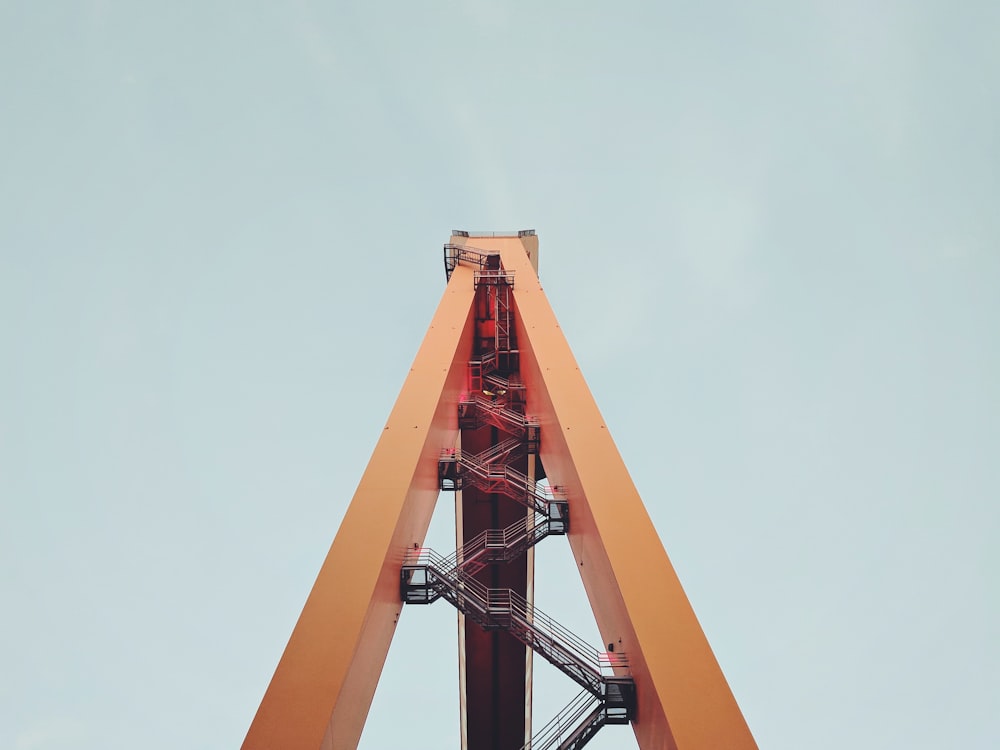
{"x":498,"y":610}
{"x":504,"y":608}
{"x":502,"y":415}
{"x":469,"y":253}
{"x":455,"y":254}
{"x":505,"y":383}
{"x":484,"y":458}
{"x":587,"y":729}
{"x":493,"y":276}
{"x":484,"y":472}
{"x":566,"y":722}
{"x":469,"y":233}
{"x":491,"y":545}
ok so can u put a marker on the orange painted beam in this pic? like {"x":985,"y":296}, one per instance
{"x":684,"y":701}
{"x":322,"y":688}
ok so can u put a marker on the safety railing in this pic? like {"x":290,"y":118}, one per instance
{"x":455,"y":254}
{"x":493,"y":277}
{"x":564,"y":724}
{"x":474,"y":411}
{"x":454,"y":466}
{"x":496,"y":545}
{"x":485,"y":374}
{"x":518,"y":233}
{"x":424,"y":571}
{"x":488,"y":473}
{"x":509,"y":384}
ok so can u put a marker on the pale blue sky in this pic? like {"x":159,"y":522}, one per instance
{"x":769,"y":231}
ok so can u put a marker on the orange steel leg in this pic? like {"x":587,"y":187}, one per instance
{"x":684,"y":701}
{"x":322,"y":688}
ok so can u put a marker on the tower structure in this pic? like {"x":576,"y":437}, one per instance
{"x":494,"y":404}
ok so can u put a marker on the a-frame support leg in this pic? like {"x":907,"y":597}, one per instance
{"x":322,"y":688}
{"x":684,"y":701}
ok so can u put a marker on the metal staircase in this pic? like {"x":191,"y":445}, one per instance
{"x":474,"y":412}
{"x":426,"y":577}
{"x":489,"y":547}
{"x":575,"y":725}
{"x":490,"y":473}
{"x":608,"y":697}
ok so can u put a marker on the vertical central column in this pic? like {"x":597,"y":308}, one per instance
{"x":495,"y":679}
{"x":496,"y":676}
